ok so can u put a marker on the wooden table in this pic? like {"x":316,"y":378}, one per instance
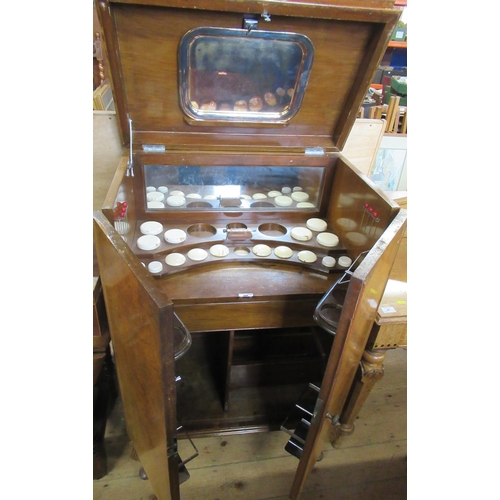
{"x":389,"y":332}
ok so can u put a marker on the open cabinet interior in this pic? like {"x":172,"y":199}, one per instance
{"x":248,"y":380}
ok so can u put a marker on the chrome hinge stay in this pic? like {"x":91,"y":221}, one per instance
{"x":130,"y":165}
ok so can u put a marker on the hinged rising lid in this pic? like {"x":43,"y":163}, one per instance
{"x":243,"y":75}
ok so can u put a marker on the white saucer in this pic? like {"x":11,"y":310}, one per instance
{"x":175,"y":259}
{"x":150,"y":189}
{"x":219,"y":250}
{"x":194,"y":196}
{"x":286,"y":190}
{"x":283,"y":252}
{"x":301,"y":234}
{"x":175,"y":200}
{"x":297,"y":188}
{"x":148,"y":242}
{"x":262,"y":250}
{"x":176,"y":192}
{"x":328,"y":261}
{"x":307,"y":256}
{"x":155,"y":204}
{"x":300,"y":196}
{"x":316,"y":224}
{"x":163,"y":189}
{"x":155,"y":266}
{"x":273,"y":194}
{"x":197,"y":254}
{"x":151,"y":227}
{"x":327,"y":239}
{"x":210,"y":197}
{"x":259,"y":196}
{"x":344,"y":261}
{"x":283,"y":201}
{"x":175,"y":236}
{"x":305,"y":204}
{"x":155,"y":196}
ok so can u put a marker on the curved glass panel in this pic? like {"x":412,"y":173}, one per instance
{"x":230,"y":75}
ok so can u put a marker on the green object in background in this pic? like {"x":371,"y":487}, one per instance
{"x":388,"y":95}
{"x":398,"y":85}
{"x":399,"y":35}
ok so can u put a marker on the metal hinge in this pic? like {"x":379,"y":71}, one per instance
{"x":334,"y":418}
{"x":318,"y":409}
{"x":317,"y":151}
{"x":153,"y":148}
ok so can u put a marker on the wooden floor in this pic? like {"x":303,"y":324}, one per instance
{"x":369,"y":465}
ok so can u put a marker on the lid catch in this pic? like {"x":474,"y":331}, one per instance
{"x":251,"y":22}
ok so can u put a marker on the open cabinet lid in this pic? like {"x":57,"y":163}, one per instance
{"x":166,"y":55}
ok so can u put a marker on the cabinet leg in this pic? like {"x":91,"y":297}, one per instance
{"x":370,"y":372}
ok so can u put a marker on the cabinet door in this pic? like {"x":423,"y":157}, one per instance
{"x":141,"y":324}
{"x":362,"y":300}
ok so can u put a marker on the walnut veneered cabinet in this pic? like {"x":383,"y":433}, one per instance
{"x":233,"y":213}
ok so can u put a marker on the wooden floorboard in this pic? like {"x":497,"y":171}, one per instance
{"x":370,"y":464}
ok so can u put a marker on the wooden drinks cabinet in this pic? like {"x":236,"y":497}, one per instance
{"x":242,"y":256}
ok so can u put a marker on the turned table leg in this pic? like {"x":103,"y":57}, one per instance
{"x":371,"y":370}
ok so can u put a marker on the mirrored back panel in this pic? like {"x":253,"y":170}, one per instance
{"x":212,"y":187}
{"x":236,"y":75}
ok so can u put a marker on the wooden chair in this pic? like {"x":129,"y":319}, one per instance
{"x":394,"y":114}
